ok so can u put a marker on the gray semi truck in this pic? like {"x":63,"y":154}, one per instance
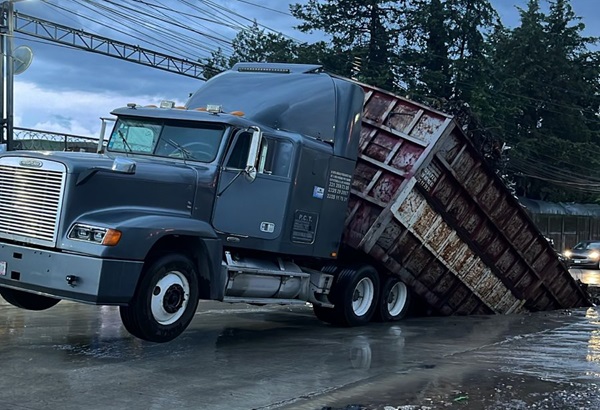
{"x":275,"y":184}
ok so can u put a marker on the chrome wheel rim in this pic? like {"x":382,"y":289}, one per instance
{"x":362,"y":297}
{"x":396,"y":299}
{"x":170,"y":297}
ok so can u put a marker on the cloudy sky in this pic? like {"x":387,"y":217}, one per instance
{"x":67,"y":90}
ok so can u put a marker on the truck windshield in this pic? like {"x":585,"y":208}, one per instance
{"x":173,"y":139}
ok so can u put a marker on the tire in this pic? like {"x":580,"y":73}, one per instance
{"x":354,"y":295}
{"x":165,"y":301}
{"x":26,"y":300}
{"x":394,"y":301}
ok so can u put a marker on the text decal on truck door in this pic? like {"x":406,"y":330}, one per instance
{"x":305,"y":227}
{"x":338,"y":187}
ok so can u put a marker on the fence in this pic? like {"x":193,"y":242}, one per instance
{"x":30,"y":139}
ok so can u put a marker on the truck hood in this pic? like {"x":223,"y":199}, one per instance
{"x":92,"y":187}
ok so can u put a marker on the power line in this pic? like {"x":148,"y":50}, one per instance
{"x":265,"y":7}
{"x":161,"y":44}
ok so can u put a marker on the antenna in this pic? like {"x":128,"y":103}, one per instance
{"x":22,"y":57}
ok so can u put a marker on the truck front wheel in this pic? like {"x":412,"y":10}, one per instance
{"x":165,"y":301}
{"x":25,"y":300}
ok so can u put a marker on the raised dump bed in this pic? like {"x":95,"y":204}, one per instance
{"x":425,"y":205}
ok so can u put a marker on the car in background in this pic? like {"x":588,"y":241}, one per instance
{"x":585,"y":254}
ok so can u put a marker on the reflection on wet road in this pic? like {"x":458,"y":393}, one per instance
{"x":588,"y":276}
{"x":242,"y":357}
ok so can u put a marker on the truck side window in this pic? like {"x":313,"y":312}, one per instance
{"x":275,"y":157}
{"x":239,"y":153}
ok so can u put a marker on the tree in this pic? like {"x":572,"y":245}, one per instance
{"x":254,"y":44}
{"x":573,"y":79}
{"x":547,"y":87}
{"x":442,"y":47}
{"x":361,"y":31}
{"x":216,"y":64}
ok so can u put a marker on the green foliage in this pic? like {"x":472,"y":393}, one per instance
{"x":257,"y":45}
{"x":363,"y":31}
{"x":443,"y":47}
{"x":546,"y":88}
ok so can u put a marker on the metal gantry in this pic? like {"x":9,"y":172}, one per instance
{"x":13,"y":22}
{"x":47,"y":30}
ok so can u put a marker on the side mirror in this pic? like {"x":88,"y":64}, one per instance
{"x":250,"y":170}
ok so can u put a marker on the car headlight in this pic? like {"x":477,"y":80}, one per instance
{"x":594,"y":255}
{"x":567,"y":253}
{"x":95,"y":234}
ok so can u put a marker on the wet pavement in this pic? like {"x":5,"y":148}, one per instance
{"x":76,"y":356}
{"x":590,"y":277}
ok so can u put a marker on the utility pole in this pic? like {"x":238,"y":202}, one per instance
{"x":3,"y":30}
{"x":7,"y":72}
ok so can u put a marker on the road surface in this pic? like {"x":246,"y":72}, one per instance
{"x":76,"y":356}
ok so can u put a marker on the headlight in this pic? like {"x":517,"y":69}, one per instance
{"x":95,"y":234}
{"x":567,"y":253}
{"x":594,"y":255}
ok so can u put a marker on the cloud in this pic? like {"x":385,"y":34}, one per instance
{"x":70,"y":111}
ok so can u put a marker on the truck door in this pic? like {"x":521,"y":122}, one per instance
{"x":255,"y":209}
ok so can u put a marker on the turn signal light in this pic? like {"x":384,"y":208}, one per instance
{"x":112,"y":237}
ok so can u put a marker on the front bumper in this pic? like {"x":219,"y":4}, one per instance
{"x":583,"y":262}
{"x":97,"y":281}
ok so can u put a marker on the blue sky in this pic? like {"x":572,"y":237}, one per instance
{"x":68,"y":90}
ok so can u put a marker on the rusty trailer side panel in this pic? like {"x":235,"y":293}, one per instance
{"x":427,"y":208}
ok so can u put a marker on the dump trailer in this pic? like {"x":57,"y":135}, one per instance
{"x":425,"y":205}
{"x":274,"y":184}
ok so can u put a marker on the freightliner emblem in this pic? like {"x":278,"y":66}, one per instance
{"x":32,"y":163}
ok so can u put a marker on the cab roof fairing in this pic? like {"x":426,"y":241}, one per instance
{"x":182,"y":115}
{"x":297,"y":98}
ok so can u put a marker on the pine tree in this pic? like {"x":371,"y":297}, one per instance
{"x":254,"y":44}
{"x":361,"y":32}
{"x":547,"y":89}
{"x":442,"y":48}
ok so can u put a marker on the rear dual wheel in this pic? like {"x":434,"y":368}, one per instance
{"x":354,"y":295}
{"x":359,"y":297}
{"x":394,"y":301}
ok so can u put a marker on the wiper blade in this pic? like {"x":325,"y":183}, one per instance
{"x":125,"y":143}
{"x":187,"y":154}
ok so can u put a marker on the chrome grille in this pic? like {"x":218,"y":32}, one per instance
{"x":31,"y":193}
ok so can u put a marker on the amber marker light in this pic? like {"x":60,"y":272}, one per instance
{"x":112,"y":237}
